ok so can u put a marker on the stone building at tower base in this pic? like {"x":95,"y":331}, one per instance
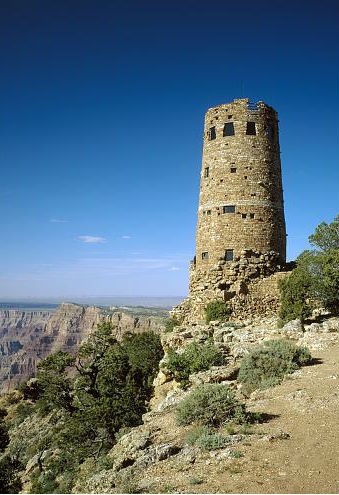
{"x":248,"y":285}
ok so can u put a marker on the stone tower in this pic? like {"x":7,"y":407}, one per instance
{"x":241,"y":196}
{"x":241,"y":238}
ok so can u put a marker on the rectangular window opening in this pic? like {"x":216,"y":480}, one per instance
{"x":243,"y":215}
{"x":228,"y":129}
{"x":251,"y":215}
{"x":212,"y":134}
{"x":208,"y":212}
{"x":206,"y":172}
{"x":228,"y":209}
{"x":250,"y":129}
{"x":233,"y":170}
{"x":229,"y":255}
{"x":204,"y":256}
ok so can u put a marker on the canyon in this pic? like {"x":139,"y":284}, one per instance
{"x":26,"y":337}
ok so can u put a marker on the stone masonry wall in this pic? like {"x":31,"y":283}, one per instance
{"x":249,"y":285}
{"x":241,"y":197}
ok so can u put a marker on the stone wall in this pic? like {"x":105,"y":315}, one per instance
{"x":248,"y":284}
{"x":241,"y":196}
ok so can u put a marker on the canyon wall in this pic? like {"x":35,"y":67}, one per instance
{"x":26,"y":337}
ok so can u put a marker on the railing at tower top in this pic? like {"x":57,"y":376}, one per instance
{"x":253,"y":106}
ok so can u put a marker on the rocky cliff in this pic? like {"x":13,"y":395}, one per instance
{"x":28,"y":336}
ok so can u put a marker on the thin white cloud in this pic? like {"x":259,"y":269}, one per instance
{"x":58,"y":220}
{"x":174,"y":269}
{"x":91,"y":239}
{"x":126,"y":237}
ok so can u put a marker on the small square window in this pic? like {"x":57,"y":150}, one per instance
{"x":230,"y":116}
{"x":228,"y":209}
{"x":229,"y":255}
{"x":206,"y":172}
{"x":204,"y":256}
{"x":212,"y":134}
{"x":208,"y":212}
{"x":228,"y":129}
{"x":250,"y":129}
{"x":245,"y":176}
{"x":233,"y":170}
{"x":251,"y":215}
{"x":243,"y":215}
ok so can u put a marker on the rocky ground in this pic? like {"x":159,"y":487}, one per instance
{"x":294,"y":451}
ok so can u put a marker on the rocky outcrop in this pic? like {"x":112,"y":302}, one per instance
{"x":28,"y":336}
{"x":249,"y":285}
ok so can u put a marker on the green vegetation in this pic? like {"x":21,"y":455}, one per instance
{"x":196,"y":481}
{"x":217,"y":310}
{"x":76,"y":406}
{"x":315,"y":280}
{"x":195,"y":357}
{"x":267,"y":365}
{"x":206,"y":438}
{"x":170,"y":324}
{"x":211,"y":405}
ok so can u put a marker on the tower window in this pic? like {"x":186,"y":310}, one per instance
{"x":228,"y":209}
{"x":212,"y":134}
{"x":208,"y":212}
{"x":250,"y":129}
{"x":229,"y":255}
{"x":206,"y":172}
{"x":243,"y":215}
{"x":204,"y":256}
{"x":251,"y":215}
{"x":228,"y":129}
{"x":233,"y":170}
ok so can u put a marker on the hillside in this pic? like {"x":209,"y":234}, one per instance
{"x":289,"y":446}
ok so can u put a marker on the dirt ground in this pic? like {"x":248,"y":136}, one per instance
{"x":296,"y":451}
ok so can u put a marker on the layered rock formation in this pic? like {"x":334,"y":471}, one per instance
{"x":26,"y":337}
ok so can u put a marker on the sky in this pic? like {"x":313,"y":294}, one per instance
{"x":102,"y":108}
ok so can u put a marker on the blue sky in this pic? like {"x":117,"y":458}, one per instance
{"x":102,"y":106}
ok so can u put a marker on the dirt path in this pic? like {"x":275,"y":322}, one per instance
{"x":298,"y":453}
{"x":307,"y":409}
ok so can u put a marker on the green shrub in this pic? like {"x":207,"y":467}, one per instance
{"x":267,"y":365}
{"x":9,"y":475}
{"x":315,"y":280}
{"x":295,"y":293}
{"x":170,"y":324}
{"x":196,"y":481}
{"x":211,"y":405}
{"x":195,"y":357}
{"x":212,"y":441}
{"x":217,"y":310}
{"x":193,"y":435}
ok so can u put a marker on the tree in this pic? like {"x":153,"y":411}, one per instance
{"x":55,"y":382}
{"x":326,"y":236}
{"x":315,"y":281}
